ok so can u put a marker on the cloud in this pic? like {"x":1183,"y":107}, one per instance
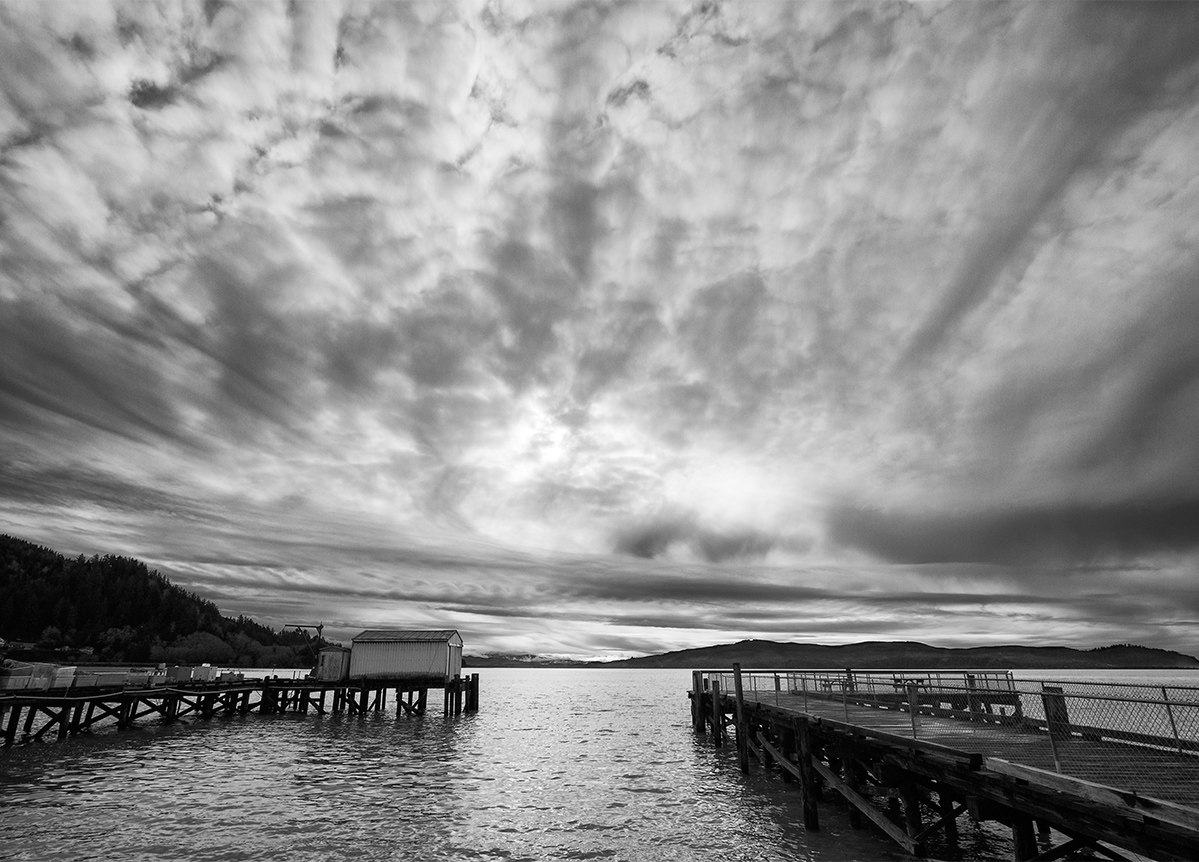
{"x":1063,"y":533}
{"x":647,"y":321}
{"x":1110,"y":65}
{"x":657,"y":535}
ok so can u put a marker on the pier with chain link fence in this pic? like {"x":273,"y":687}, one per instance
{"x":1107,"y":764}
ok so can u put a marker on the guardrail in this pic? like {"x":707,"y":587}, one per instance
{"x":1136,"y":724}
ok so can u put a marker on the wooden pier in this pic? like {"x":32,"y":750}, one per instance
{"x":1068,"y":767}
{"x":37,"y":716}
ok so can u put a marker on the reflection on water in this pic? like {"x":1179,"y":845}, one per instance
{"x":558,"y":764}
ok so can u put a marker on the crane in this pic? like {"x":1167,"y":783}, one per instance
{"x":301,"y":627}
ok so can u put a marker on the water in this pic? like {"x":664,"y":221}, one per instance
{"x":558,"y":764}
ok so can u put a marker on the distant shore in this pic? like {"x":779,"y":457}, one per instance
{"x":875,"y":655}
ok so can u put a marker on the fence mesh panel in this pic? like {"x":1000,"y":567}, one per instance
{"x":1139,"y":738}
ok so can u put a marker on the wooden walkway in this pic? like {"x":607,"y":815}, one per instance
{"x":913,"y":774}
{"x":1155,"y":772}
{"x":37,"y":716}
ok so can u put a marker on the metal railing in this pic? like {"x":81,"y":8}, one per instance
{"x":1138,"y":737}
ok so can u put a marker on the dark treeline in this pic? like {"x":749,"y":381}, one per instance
{"x":125,"y":612}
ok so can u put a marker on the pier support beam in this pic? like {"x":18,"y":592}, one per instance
{"x":717,"y":715}
{"x":742,"y":729}
{"x":807,"y":776}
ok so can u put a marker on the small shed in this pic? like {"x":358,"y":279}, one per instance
{"x":406,"y":654}
{"x":333,"y":663}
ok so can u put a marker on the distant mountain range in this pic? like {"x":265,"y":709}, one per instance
{"x":874,"y":654}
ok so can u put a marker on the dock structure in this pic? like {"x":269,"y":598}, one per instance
{"x":47,"y":701}
{"x":56,"y":713}
{"x":1067,"y":766}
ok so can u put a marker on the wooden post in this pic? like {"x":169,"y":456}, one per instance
{"x":422,"y":701}
{"x":126,"y":713}
{"x":742,"y":730}
{"x":77,"y":718}
{"x":1057,"y":719}
{"x":64,"y":722}
{"x":1024,"y":836}
{"x":946,"y":808}
{"x":913,"y":689}
{"x":1170,"y":716}
{"x":807,"y":778}
{"x":14,"y":718}
{"x":717,"y":715}
{"x":911,"y":810}
{"x":849,"y":771}
{"x":1057,"y":715}
{"x":697,"y":702}
{"x":787,"y":745}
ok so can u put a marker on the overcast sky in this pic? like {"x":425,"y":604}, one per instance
{"x":602,"y":329}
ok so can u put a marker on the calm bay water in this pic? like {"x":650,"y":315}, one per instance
{"x":558,"y":764}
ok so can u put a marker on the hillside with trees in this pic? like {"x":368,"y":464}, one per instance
{"x":116,"y":610}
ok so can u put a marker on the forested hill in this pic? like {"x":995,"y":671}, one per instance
{"x":124,"y":612}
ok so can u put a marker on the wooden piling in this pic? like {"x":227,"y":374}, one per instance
{"x":742,"y":730}
{"x":717,"y":715}
{"x":807,"y":775}
{"x":1024,"y":836}
{"x":14,"y":718}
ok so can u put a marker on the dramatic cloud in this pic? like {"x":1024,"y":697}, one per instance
{"x":599,"y":328}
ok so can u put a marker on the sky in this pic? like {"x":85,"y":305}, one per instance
{"x":602,"y":329}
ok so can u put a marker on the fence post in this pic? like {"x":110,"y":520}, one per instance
{"x":1170,"y":715}
{"x":1057,"y":719}
{"x":913,"y":689}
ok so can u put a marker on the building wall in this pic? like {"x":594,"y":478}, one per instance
{"x":333,"y":664}
{"x":404,"y":659}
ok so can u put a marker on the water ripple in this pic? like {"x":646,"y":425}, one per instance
{"x":558,"y":765}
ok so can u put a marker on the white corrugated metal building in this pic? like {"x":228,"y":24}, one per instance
{"x":407,"y":654}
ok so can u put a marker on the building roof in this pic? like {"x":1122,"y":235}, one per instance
{"x":407,"y":636}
